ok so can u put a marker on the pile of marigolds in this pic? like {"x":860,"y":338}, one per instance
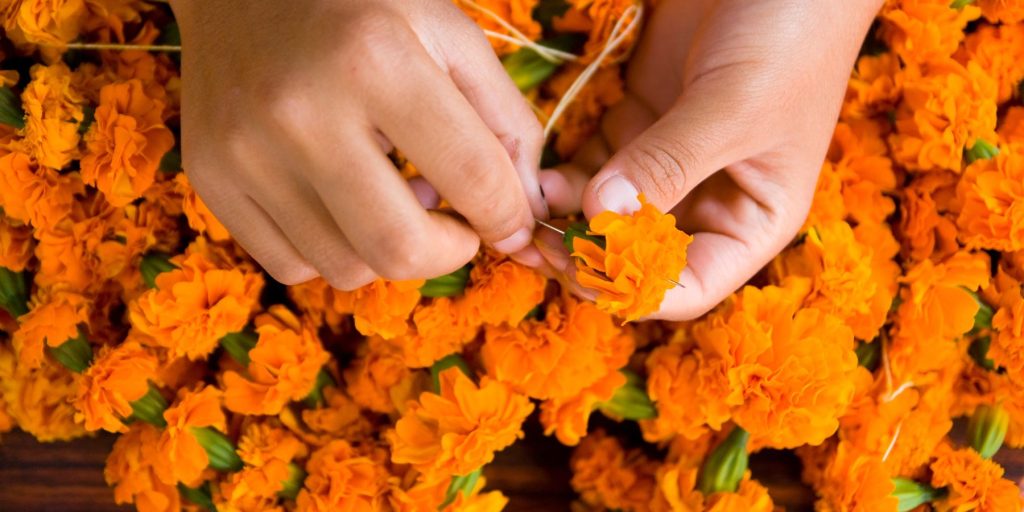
{"x":127,"y":308}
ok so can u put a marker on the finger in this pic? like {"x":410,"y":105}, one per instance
{"x":453,"y":149}
{"x":626,"y":120}
{"x":563,"y":189}
{"x":308,"y":224}
{"x":381,"y":217}
{"x":706,"y":130}
{"x":425,"y":193}
{"x":256,"y":232}
{"x":488,"y":88}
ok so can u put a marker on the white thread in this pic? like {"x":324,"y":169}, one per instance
{"x":615,"y":39}
{"x":547,"y":53}
{"x":898,"y":391}
{"x":892,"y":444}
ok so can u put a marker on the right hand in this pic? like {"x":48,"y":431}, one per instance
{"x":289,"y":111}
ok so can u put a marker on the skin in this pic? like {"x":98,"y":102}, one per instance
{"x":291,"y":107}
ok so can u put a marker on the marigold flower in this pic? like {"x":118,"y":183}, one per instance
{"x":946,"y":108}
{"x":567,"y":418}
{"x":339,"y":417}
{"x":125,"y":143}
{"x":518,"y":13}
{"x":339,"y":478}
{"x":53,"y":113}
{"x":36,"y":195}
{"x":131,"y":470}
{"x":574,"y":346}
{"x":1005,"y":11}
{"x":52,"y":320}
{"x":597,"y":18}
{"x":378,"y":375}
{"x":502,"y":291}
{"x":321,"y":304}
{"x":927,"y":228}
{"x":974,"y":483}
{"x":194,"y":306}
{"x":937,"y":303}
{"x":117,"y":377}
{"x":875,"y":86}
{"x":46,"y":22}
{"x":1007,"y":342}
{"x":997,"y":50}
{"x":855,"y":481}
{"x":383,"y":307}
{"x":283,"y":365}
{"x":581,"y":117}
{"x":181,"y":457}
{"x":16,"y":244}
{"x":442,"y":327}
{"x":607,"y":476}
{"x":39,"y":399}
{"x":992,"y":195}
{"x":924,"y":30}
{"x":643,"y":254}
{"x":267,"y":452}
{"x":459,"y":429}
{"x":199,"y":216}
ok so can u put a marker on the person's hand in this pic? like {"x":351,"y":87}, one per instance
{"x":289,"y":111}
{"x":729,"y":109}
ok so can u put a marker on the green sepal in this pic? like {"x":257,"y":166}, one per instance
{"x":579,"y":230}
{"x":199,"y":496}
{"x":987,"y":428}
{"x":630,"y":401}
{"x":150,"y":408}
{"x":315,"y":399}
{"x":219,"y":449}
{"x":960,"y":4}
{"x":75,"y":354}
{"x":725,"y":467}
{"x":13,"y":292}
{"x":983,"y":318}
{"x":912,"y":494}
{"x":88,"y":118}
{"x":869,"y":354}
{"x":238,"y":344}
{"x":448,"y":285}
{"x":981,"y":150}
{"x":460,"y":484}
{"x":979,"y":353}
{"x":292,"y":486}
{"x":443,"y":364}
{"x":154,"y":264}
{"x":11,"y":112}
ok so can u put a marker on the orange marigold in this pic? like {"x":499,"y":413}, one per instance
{"x":125,"y":143}
{"x":502,"y":291}
{"x":53,"y":113}
{"x":567,"y":418}
{"x":1005,"y":11}
{"x":597,"y":18}
{"x":39,"y":400}
{"x":195,"y":305}
{"x":937,"y":303}
{"x":131,"y":470}
{"x":874,"y":87}
{"x":974,"y":483}
{"x":16,"y":245}
{"x":199,"y":216}
{"x":459,"y":429}
{"x":383,"y":307}
{"x":283,"y":365}
{"x":340,"y":478}
{"x":181,"y":457}
{"x":117,"y":377}
{"x":574,"y":346}
{"x":997,"y":50}
{"x":924,"y":30}
{"x":608,"y":476}
{"x":581,"y":117}
{"x":442,"y":326}
{"x":378,"y":376}
{"x":46,"y":22}
{"x":992,"y":195}
{"x":855,"y":481}
{"x":927,"y":227}
{"x":266,"y":451}
{"x":517,"y":13}
{"x":642,"y":254}
{"x":946,"y":108}
{"x":339,"y":417}
{"x":53,"y":319}
{"x":36,"y":195}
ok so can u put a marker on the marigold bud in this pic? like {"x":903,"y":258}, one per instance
{"x":630,"y":401}
{"x":725,"y":467}
{"x":219,"y":449}
{"x":460,"y":484}
{"x":987,"y":429}
{"x":981,"y":150}
{"x":75,"y":354}
{"x":238,"y":345}
{"x":447,"y":362}
{"x":912,"y":494}
{"x":150,"y":408}
{"x":154,"y":264}
{"x":448,"y":285}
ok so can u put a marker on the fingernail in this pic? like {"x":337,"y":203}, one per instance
{"x":530,"y":256}
{"x":515,"y":242}
{"x":617,"y":194}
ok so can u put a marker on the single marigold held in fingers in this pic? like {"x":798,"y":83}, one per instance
{"x":631,"y":260}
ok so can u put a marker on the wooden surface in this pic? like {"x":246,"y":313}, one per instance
{"x":68,"y":477}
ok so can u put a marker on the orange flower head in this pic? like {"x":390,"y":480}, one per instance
{"x":36,"y":195}
{"x":117,"y":377}
{"x":266,"y":451}
{"x":642,"y":254}
{"x":875,"y":86}
{"x":46,"y":22}
{"x":442,"y":326}
{"x":53,"y":113}
{"x":52,"y":319}
{"x":283,"y":365}
{"x":502,"y":291}
{"x":16,"y":244}
{"x":974,"y":483}
{"x":517,"y":13}
{"x":924,"y":30}
{"x":199,"y":216}
{"x":458,"y":430}
{"x":574,"y":346}
{"x":192,"y":307}
{"x":383,"y":307}
{"x":997,"y":50}
{"x":567,"y":418}
{"x":339,"y":478}
{"x":125,"y":143}
{"x":340,"y":417}
{"x":992,"y":195}
{"x":855,"y":481}
{"x":607,"y":476}
{"x":377,"y":375}
{"x":39,"y":400}
{"x":131,"y":471}
{"x":181,"y":457}
{"x":937,"y":303}
{"x":1005,"y":11}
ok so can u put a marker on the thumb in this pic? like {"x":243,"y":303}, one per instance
{"x":707,"y":129}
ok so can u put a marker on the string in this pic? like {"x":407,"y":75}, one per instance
{"x":118,"y":46}
{"x":517,"y":37}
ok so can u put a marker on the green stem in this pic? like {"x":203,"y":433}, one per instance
{"x":75,"y":354}
{"x":219,"y":449}
{"x":150,"y":408}
{"x":238,"y":345}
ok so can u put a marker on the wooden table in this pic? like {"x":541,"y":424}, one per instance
{"x":68,"y":477}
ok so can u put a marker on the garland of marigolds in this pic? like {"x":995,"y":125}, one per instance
{"x":127,"y":307}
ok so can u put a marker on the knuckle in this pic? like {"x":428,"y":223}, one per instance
{"x":289,"y":273}
{"x":374,"y":42}
{"x":661,"y":165}
{"x":347,"y":277}
{"x":403,"y":256}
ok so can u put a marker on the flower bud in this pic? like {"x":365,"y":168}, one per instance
{"x":987,"y":429}
{"x":630,"y":401}
{"x":529,"y":69}
{"x":75,"y":354}
{"x":912,"y":494}
{"x":11,"y":112}
{"x":13,"y":292}
{"x":198,"y":495}
{"x":219,"y":449}
{"x":154,"y":264}
{"x":150,"y":408}
{"x":579,"y":230}
{"x":460,"y":484}
{"x":981,"y":150}
{"x":448,"y":285}
{"x":725,"y":467}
